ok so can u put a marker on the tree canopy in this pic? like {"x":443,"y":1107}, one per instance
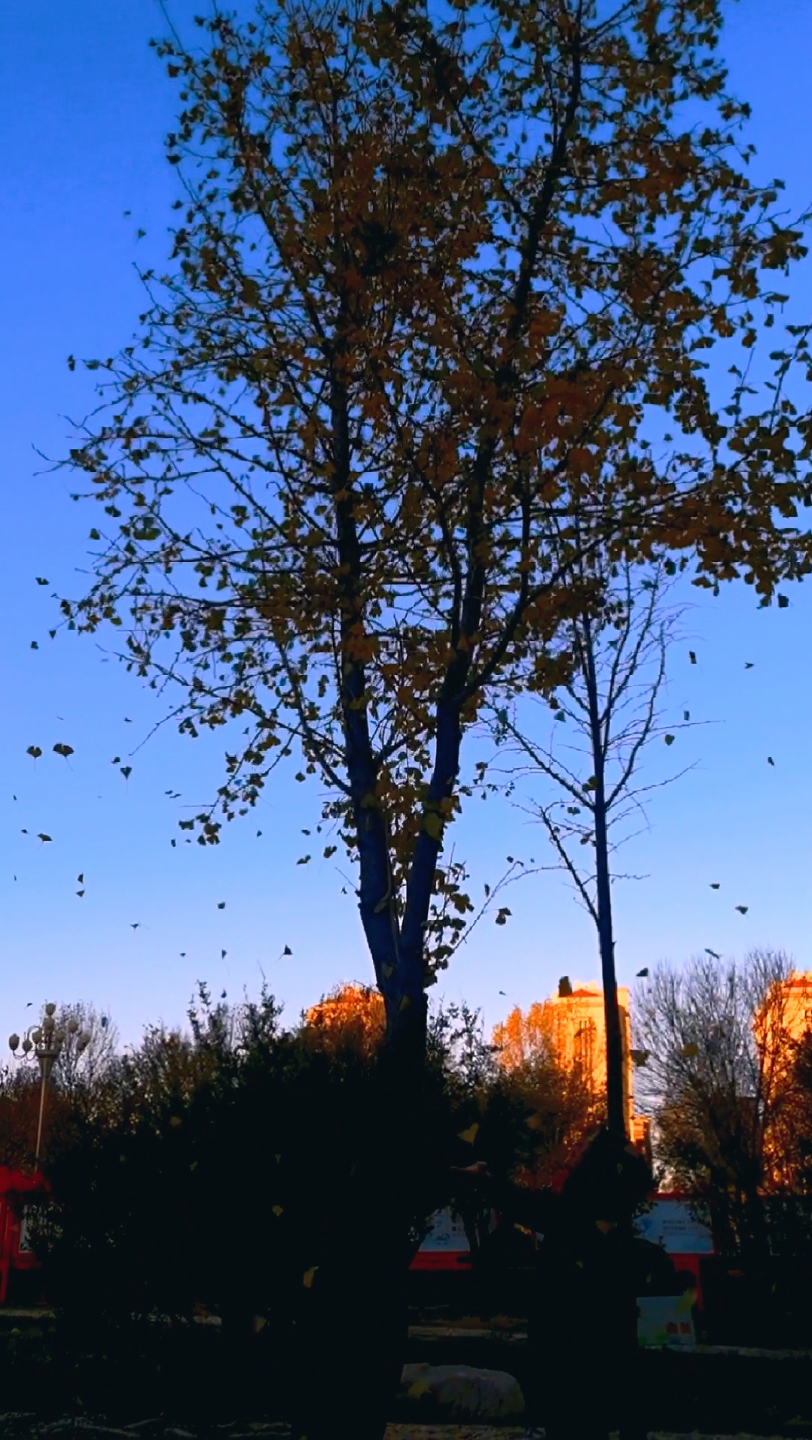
{"x":443,"y":285}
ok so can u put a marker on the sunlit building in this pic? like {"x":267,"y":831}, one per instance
{"x":572,"y":1025}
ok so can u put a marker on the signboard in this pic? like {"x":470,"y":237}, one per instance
{"x":670,"y":1223}
{"x":666,"y":1320}
{"x":447,"y":1235}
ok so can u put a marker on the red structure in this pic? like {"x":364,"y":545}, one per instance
{"x":17,"y":1189}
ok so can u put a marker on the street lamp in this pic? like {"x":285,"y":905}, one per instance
{"x":46,"y":1040}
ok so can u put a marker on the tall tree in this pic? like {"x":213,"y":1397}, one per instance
{"x":433,"y":274}
{"x":592,"y":795}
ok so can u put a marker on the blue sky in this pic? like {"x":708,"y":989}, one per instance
{"x":85,"y":105}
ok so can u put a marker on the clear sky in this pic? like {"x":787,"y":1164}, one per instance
{"x":84,"y":106}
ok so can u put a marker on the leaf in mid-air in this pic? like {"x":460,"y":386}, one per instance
{"x":34,"y":750}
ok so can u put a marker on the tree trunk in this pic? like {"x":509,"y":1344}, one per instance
{"x":615,"y":1059}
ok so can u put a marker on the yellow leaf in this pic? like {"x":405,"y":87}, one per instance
{"x":307,"y":1278}
{"x":432,"y":824}
{"x":690,"y":1051}
{"x":277,"y":1209}
{"x":418,"y":1388}
{"x":469,"y":1135}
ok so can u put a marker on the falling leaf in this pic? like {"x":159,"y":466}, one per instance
{"x":713,"y":954}
{"x":35,"y":751}
{"x":689,"y":1051}
{"x":223,"y":995}
{"x":221,"y":904}
{"x":639,"y":1056}
{"x":783,"y":602}
{"x":34,"y":645}
{"x":502,"y":992}
{"x":748,"y":664}
{"x":43,"y":838}
{"x":742,"y":909}
{"x":134,"y":925}
{"x":304,"y":860}
{"x":692,"y":657}
{"x":469,"y":1135}
{"x":40,"y":581}
{"x":80,"y":893}
{"x":223,"y":954}
{"x":686,"y":714}
{"x":714,"y":884}
{"x":23,"y":832}
{"x":60,"y":749}
{"x":127,"y":720}
{"x":287,"y":950}
{"x":81,"y":879}
{"x":259,"y":832}
{"x":126,"y":771}
{"x":115,"y":760}
{"x":642,"y":974}
{"x":175,"y":1121}
{"x":183,"y":954}
{"x":308,"y":1277}
{"x":770,"y":760}
{"x":329,"y":850}
{"x":669,"y":739}
{"x":277,"y":1210}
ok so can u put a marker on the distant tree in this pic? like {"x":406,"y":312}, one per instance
{"x":592,"y":797}
{"x":353,"y":1015}
{"x":87,"y":1043}
{"x":82,"y":1067}
{"x":717,"y":1077}
{"x":432,"y":275}
{"x":553,"y":1102}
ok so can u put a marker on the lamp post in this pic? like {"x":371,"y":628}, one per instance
{"x":45,"y":1042}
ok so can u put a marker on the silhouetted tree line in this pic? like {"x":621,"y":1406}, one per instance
{"x":253,"y":1171}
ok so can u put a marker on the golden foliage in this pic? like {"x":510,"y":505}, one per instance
{"x":522,"y":1039}
{"x":352,"y":1017}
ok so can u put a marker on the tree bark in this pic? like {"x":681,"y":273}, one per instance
{"x":615,"y":1099}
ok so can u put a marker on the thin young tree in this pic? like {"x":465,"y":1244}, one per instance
{"x":431,"y":273}
{"x":599,"y":725}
